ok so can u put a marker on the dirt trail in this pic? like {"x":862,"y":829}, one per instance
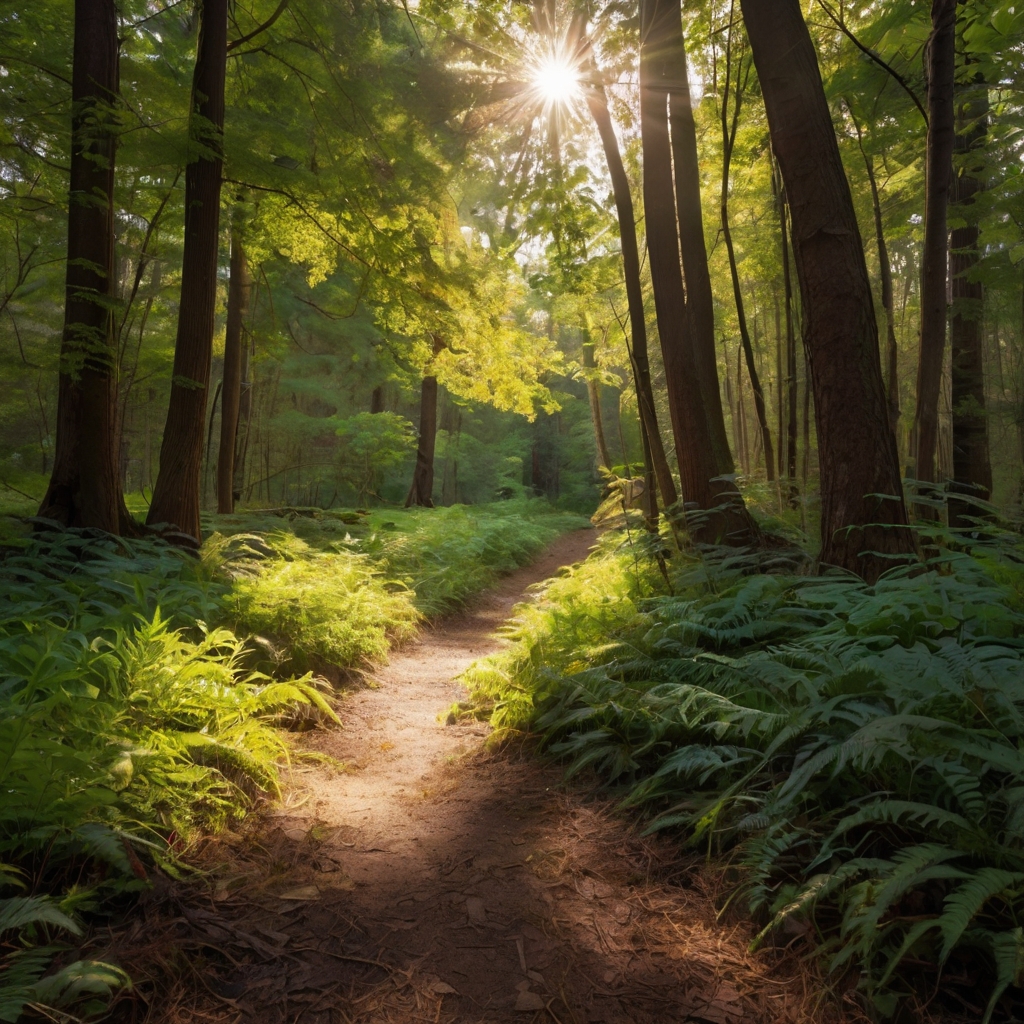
{"x":435,"y":881}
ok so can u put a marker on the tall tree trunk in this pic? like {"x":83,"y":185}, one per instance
{"x":594,"y":395}
{"x":700,"y":303}
{"x":244,"y":419}
{"x":729,"y":129}
{"x":176,"y":497}
{"x":885,"y":279}
{"x":422,"y":490}
{"x":698,"y":466}
{"x":791,"y":381}
{"x":857,"y":450}
{"x":597,"y":101}
{"x":940,"y":65}
{"x":239,"y":288}
{"x":972,"y":469}
{"x":84,"y":487}
{"x":780,"y":376}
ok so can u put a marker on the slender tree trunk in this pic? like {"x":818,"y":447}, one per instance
{"x":698,"y":466}
{"x":857,"y":450}
{"x":84,"y":487}
{"x":885,"y":279}
{"x":594,"y":395}
{"x":728,"y":142}
{"x":700,"y":303}
{"x":239,"y":288}
{"x":972,"y":469}
{"x":244,"y":419}
{"x":940,"y":66}
{"x":422,"y":490}
{"x":598,"y":104}
{"x":791,"y":381}
{"x":780,"y":376}
{"x":176,"y":497}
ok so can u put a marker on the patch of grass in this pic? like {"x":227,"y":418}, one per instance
{"x":856,"y":748}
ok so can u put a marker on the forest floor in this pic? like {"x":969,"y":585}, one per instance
{"x":434,"y":879}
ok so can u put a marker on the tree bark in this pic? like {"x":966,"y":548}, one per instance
{"x":700,"y":303}
{"x":176,"y":497}
{"x":598,"y":104}
{"x":863,"y":515}
{"x":940,"y":66}
{"x":791,"y":381}
{"x":604,"y":460}
{"x":728,"y":142}
{"x":885,"y":280}
{"x":422,"y":490}
{"x":972,"y":469}
{"x":719,"y":500}
{"x":239,"y":288}
{"x":84,"y":488}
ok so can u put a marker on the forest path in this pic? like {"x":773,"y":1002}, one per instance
{"x":437,"y":881}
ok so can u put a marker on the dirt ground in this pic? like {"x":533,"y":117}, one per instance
{"x":434,"y":880}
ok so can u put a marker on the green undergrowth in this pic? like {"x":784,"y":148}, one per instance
{"x":143,"y":690}
{"x":339,"y":588}
{"x":856,"y":751}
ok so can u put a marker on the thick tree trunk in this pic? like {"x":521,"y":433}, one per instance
{"x":231,"y":393}
{"x":377,"y":399}
{"x":604,"y":460}
{"x":422,"y":490}
{"x":972,"y":469}
{"x":940,"y":64}
{"x":860,"y":522}
{"x":728,"y":142}
{"x":598,"y":104}
{"x":700,"y":303}
{"x":85,"y":488}
{"x":698,"y":466}
{"x":176,"y":497}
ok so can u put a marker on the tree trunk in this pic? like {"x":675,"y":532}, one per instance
{"x":244,"y":420}
{"x":857,"y":450}
{"x":885,"y":279}
{"x":231,"y":393}
{"x":84,"y":488}
{"x":377,"y":399}
{"x":694,"y":452}
{"x":604,"y":460}
{"x":972,"y":469}
{"x":780,"y":376}
{"x":791,"y":382}
{"x":176,"y":497}
{"x":728,"y":142}
{"x":598,"y":104}
{"x":422,"y":490}
{"x":700,"y":303}
{"x":940,"y":67}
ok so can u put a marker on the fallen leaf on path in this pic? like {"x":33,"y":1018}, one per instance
{"x":304,"y":892}
{"x":441,"y":988}
{"x":528,"y":1002}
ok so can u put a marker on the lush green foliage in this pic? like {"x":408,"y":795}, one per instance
{"x":128,"y":724}
{"x":337,"y":588}
{"x":856,"y":748}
